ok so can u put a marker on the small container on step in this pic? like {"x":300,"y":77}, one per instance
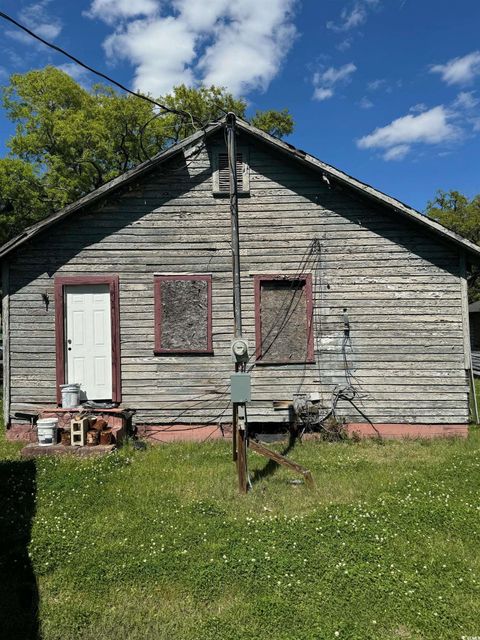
{"x":47,"y":431}
{"x":70,"y":395}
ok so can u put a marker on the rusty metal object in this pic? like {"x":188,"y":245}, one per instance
{"x":65,"y":437}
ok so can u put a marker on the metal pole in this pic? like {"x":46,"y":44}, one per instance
{"x":232,"y":163}
{"x":239,"y":425}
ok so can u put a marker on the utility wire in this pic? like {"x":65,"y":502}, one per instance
{"x":177,"y":112}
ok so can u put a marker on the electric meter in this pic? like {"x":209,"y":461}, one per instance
{"x":240,"y":350}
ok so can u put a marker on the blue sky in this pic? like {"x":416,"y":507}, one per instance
{"x":386,"y":90}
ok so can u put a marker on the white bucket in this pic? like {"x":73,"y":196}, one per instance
{"x":47,"y":431}
{"x":70,"y":395}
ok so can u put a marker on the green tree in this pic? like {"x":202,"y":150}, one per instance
{"x":70,"y":140}
{"x":22,"y":197}
{"x":461,"y":214}
{"x":278,"y":123}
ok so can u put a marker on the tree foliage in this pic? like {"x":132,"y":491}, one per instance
{"x":457,"y":212}
{"x":462,"y":215}
{"x":70,"y":140}
{"x":278,"y":123}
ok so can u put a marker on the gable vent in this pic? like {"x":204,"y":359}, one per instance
{"x":224,"y":176}
{"x":220,"y":173}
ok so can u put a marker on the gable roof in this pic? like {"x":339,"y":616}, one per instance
{"x":289,"y":150}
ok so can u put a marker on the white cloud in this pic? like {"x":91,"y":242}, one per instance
{"x":459,"y":70}
{"x":237,"y":45}
{"x":466,"y":100}
{"x":322,"y":94}
{"x":249,"y":49}
{"x":333,"y":75}
{"x":418,"y":108}
{"x":344,"y":45}
{"x":365,"y":103}
{"x":112,"y":10}
{"x":396,"y":153}
{"x":203,"y":16}
{"x":381,"y":84}
{"x":161,"y":51}
{"x":377,"y":84}
{"x":465,"y":109}
{"x":351,"y":18}
{"x":36,"y":17}
{"x":429,"y":127}
{"x":324,"y":82}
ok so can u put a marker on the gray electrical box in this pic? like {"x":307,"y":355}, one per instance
{"x":240,"y":387}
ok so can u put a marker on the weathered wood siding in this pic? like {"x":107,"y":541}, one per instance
{"x":400,"y":285}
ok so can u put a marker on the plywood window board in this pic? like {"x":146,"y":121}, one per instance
{"x":283,"y":319}
{"x":183,"y":314}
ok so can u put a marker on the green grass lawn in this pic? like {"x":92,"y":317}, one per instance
{"x":157,"y":544}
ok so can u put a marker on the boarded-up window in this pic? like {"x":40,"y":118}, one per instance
{"x":283,"y":319}
{"x":183,"y":314}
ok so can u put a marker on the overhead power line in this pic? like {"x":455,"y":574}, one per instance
{"x":178,"y":112}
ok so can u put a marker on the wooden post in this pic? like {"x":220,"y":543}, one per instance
{"x":279,"y":459}
{"x":242,"y":451}
{"x":234,"y":431}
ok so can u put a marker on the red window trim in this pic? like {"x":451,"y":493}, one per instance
{"x":158,"y":279}
{"x":113,"y":282}
{"x":258,"y":279}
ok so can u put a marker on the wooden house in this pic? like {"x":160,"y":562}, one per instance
{"x":128,"y":291}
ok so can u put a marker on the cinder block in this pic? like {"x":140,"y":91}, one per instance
{"x":78,"y":431}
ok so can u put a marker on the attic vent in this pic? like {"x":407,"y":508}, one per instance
{"x":221,"y":176}
{"x":224,"y":174}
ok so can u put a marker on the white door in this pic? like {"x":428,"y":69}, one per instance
{"x":89,"y":339}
